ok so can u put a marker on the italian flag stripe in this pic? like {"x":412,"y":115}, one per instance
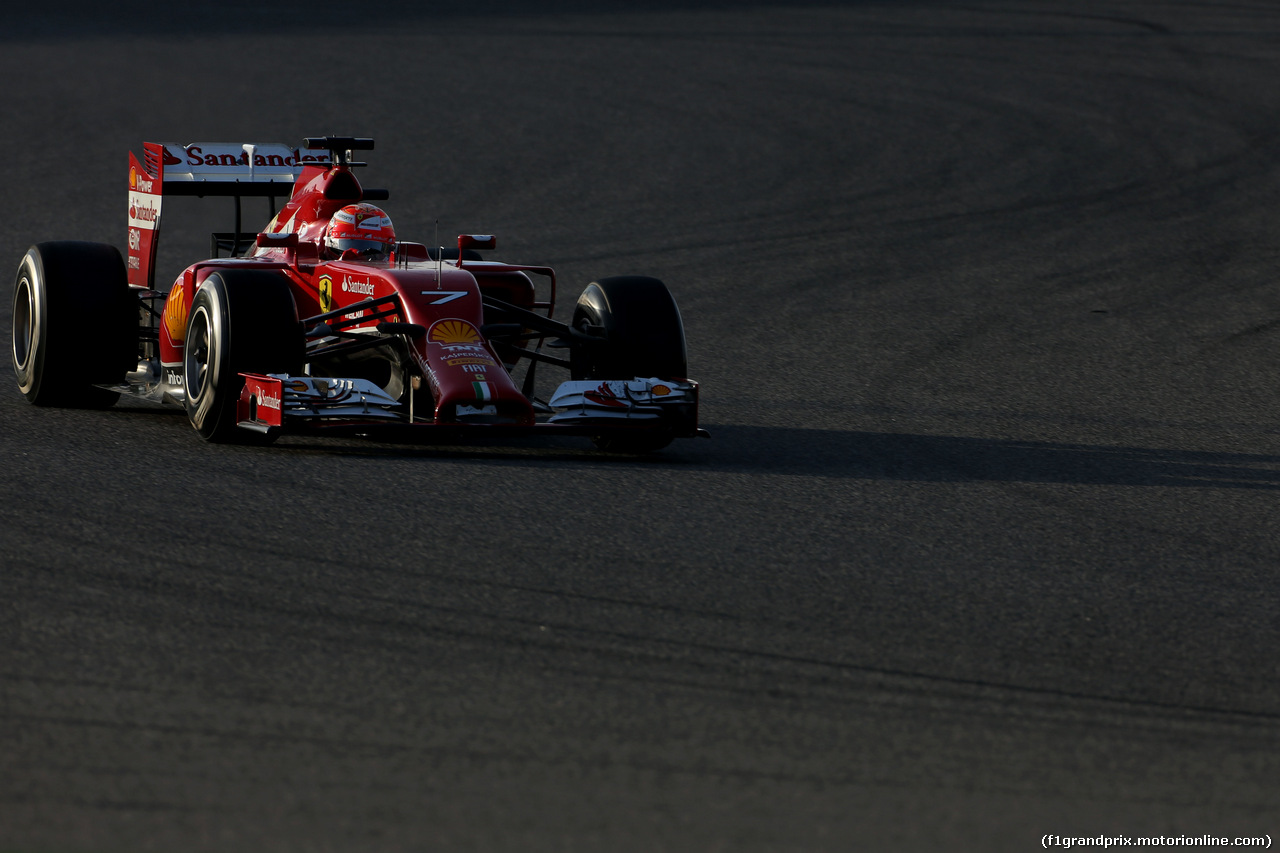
{"x":482,"y":390}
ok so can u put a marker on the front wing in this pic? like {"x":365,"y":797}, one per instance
{"x":282,"y":404}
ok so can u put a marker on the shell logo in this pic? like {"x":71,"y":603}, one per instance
{"x":175,"y":314}
{"x":133,"y":177}
{"x":453,"y":332}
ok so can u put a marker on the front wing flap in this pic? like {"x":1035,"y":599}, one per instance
{"x":636,"y":399}
{"x":267,"y":400}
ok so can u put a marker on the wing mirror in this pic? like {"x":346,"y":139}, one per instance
{"x":278,"y":241}
{"x":474,"y":241}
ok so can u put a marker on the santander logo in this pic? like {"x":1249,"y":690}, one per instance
{"x":144,"y":211}
{"x":355,"y":285}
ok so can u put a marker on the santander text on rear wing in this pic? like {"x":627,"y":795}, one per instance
{"x":228,"y":169}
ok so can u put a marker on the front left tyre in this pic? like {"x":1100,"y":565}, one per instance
{"x":640,"y":335}
{"x":74,"y":324}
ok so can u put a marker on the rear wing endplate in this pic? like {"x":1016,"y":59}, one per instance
{"x":229,"y":170}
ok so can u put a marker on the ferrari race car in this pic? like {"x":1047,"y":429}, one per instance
{"x":325,"y":322}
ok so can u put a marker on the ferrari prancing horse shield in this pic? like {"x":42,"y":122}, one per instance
{"x":326,"y":294}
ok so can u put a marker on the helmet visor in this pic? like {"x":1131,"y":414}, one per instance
{"x":366,"y":250}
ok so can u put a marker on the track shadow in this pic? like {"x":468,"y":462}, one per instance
{"x":867,"y":456}
{"x":831,"y":453}
{"x":943,"y":458}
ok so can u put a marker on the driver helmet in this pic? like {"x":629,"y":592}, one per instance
{"x":363,"y":228}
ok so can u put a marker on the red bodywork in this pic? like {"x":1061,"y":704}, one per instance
{"x":444,"y":298}
{"x":425,"y":317}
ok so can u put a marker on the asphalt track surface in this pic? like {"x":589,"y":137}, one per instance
{"x":984,"y":547}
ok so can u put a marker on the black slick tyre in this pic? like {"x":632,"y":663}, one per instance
{"x":241,"y":321}
{"x":74,"y":324}
{"x":641,"y":335}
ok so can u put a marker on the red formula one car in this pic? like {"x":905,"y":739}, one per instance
{"x":325,"y":322}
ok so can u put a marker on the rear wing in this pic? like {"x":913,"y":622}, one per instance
{"x":230,"y":170}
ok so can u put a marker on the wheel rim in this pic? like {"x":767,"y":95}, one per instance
{"x":195,"y":374}
{"x":24,"y":323}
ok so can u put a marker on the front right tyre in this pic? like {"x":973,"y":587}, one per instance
{"x":240,"y":321}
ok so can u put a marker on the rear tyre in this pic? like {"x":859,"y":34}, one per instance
{"x":241,"y":321}
{"x":642,"y":336}
{"x":74,"y":324}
